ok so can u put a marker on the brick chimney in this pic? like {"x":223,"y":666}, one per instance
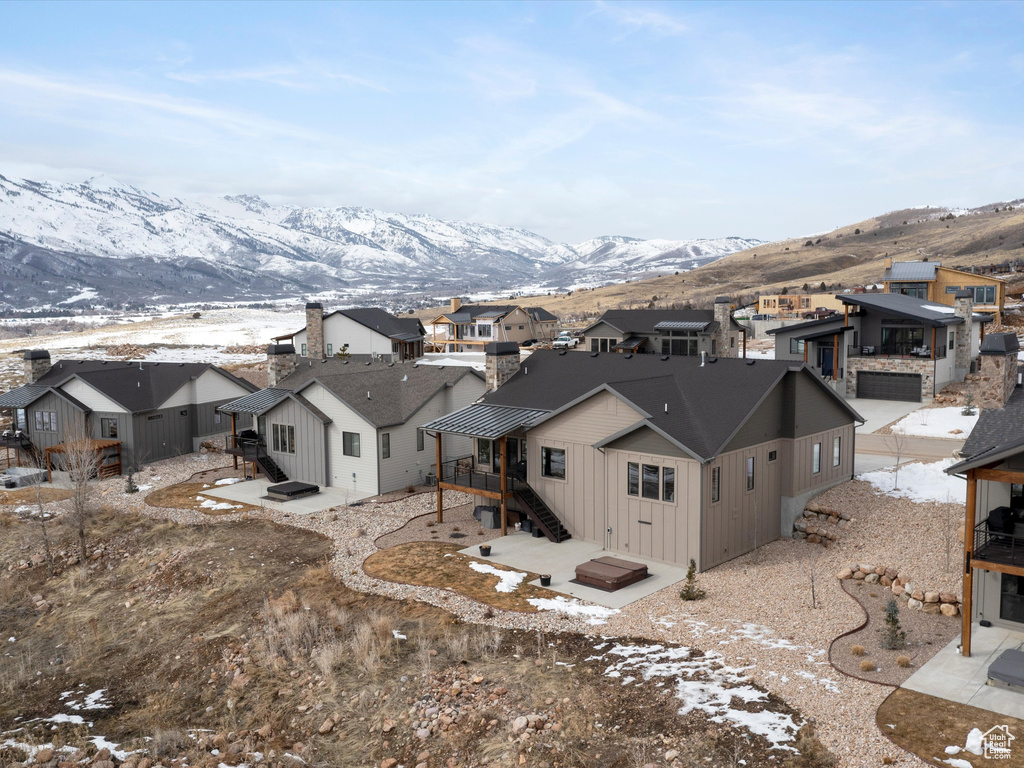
{"x":723,"y":316}
{"x":998,"y":369}
{"x":37,"y":363}
{"x":887,"y":263}
{"x":315,"y":330}
{"x":456,"y":303}
{"x":280,"y":362}
{"x":502,"y":362}
{"x":963,"y":307}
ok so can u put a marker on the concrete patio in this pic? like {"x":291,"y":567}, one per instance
{"x":523,"y":552}
{"x":950,"y":676}
{"x":253,"y":491}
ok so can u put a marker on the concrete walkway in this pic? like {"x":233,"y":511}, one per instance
{"x":523,"y":552}
{"x":950,"y":676}
{"x":878,"y":413}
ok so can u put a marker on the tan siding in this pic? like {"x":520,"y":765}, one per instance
{"x":646,"y":440}
{"x":803,"y":451}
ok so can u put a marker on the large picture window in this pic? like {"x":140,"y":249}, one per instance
{"x":46,"y":421}
{"x":651,"y":476}
{"x":350,"y":443}
{"x":816,"y":459}
{"x":284,"y":438}
{"x":633,"y":478}
{"x":552,"y":462}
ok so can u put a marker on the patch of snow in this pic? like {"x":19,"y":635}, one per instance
{"x":102,"y":743}
{"x":975,"y":742}
{"x":597,"y":614}
{"x":95,"y":700}
{"x":920,"y":482}
{"x":216,"y":505}
{"x":937,"y":422}
{"x":228,"y":481}
{"x":508,"y":581}
{"x":398,"y":635}
{"x":62,"y":718}
{"x":953,"y":750}
{"x":956,"y":762}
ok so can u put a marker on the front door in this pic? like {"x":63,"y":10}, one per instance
{"x":825,"y":359}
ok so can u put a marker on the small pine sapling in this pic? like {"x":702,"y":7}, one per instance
{"x":893,"y":636}
{"x":129,"y":483}
{"x":968,"y":409}
{"x":690,"y":590}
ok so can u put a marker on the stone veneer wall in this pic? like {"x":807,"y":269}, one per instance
{"x":923,"y":366}
{"x":996,"y":380}
{"x":279,"y":365}
{"x":500,"y":368}
{"x":36,"y":368}
{"x":723,"y":316}
{"x":315,"y":331}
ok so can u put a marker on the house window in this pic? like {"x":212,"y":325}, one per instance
{"x":46,"y":421}
{"x":509,"y":327}
{"x":594,"y":345}
{"x":796,"y":347}
{"x":183,"y":412}
{"x":284,"y":437}
{"x":716,"y":484}
{"x":350,"y":443}
{"x":668,"y":484}
{"x":837,"y":451}
{"x":303,"y":350}
{"x":330,"y":350}
{"x":483,"y":453}
{"x":816,"y":459}
{"x":419,"y":439}
{"x":750,"y":473}
{"x":984,"y":294}
{"x":484,"y":331}
{"x":552,"y":462}
{"x":108,"y":428}
{"x":154,"y":417}
{"x":217,"y":417}
{"x":633,"y":478}
{"x":916,"y":290}
{"x":650,"y":483}
{"x":687,"y":345}
{"x":604,"y":345}
{"x":385,"y":445}
{"x":521,"y":327}
{"x":773,"y":455}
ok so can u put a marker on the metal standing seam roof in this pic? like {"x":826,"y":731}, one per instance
{"x":257,"y":402}
{"x":918,"y":271}
{"x":22,"y":396}
{"x":671,"y":325}
{"x":631,"y":342}
{"x":823,"y":334}
{"x":482,"y":420}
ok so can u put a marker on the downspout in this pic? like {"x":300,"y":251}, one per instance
{"x":606,"y":537}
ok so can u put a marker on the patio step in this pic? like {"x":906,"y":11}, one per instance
{"x":540,"y":513}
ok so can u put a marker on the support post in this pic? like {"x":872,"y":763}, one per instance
{"x":503,"y":447}
{"x":967,"y":609}
{"x":49,"y":470}
{"x":982,"y":330}
{"x":933,"y":343}
{"x":805,"y":351}
{"x":744,"y":335}
{"x":835,"y":357}
{"x":234,"y":436}
{"x":440,"y":490}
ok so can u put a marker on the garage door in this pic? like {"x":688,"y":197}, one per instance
{"x":889,"y":386}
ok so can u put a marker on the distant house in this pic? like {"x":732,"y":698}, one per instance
{"x":931,"y":281}
{"x":888,"y":346}
{"x":362,"y":334}
{"x":667,"y":458}
{"x":468,"y":328}
{"x":346,"y":424}
{"x":786,"y":305}
{"x":993,"y":465}
{"x":154,"y":410}
{"x":668,"y":331}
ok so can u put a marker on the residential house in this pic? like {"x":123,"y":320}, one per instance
{"x":888,"y":346}
{"x":662,"y":457}
{"x":931,"y":281}
{"x":151,"y":410}
{"x":361,"y":334}
{"x":468,"y":328}
{"x":993,"y":465}
{"x":346,"y":424}
{"x":786,"y":305}
{"x":668,"y":331}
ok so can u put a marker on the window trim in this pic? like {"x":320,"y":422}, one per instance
{"x":282,"y":438}
{"x":644,"y":481}
{"x":350,"y":446}
{"x":480,"y":460}
{"x":667,"y":496}
{"x":105,"y":423}
{"x":420,"y":439}
{"x":546,"y":453}
{"x":772,"y":456}
{"x":632,"y":478}
{"x":816,"y":458}
{"x":330,"y":350}
{"x":303,"y":350}
{"x":749,"y":470}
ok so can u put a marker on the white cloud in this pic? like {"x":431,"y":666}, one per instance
{"x":636,"y":18}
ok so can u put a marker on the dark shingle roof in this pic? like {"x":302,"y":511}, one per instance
{"x":998,"y":433}
{"x":136,"y":386}
{"x":468,"y":312}
{"x":915,"y":271}
{"x":22,"y":396}
{"x":646,"y":321}
{"x":705,"y":405}
{"x":396,"y":391}
{"x":403,"y":328}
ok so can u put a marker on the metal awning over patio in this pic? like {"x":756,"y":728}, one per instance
{"x":257,"y":402}
{"x":632,"y":343}
{"x":22,"y":397}
{"x":482,"y":420}
{"x":682,"y":325}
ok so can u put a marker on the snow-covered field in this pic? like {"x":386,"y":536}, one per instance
{"x":922,"y":482}
{"x":937,"y":422}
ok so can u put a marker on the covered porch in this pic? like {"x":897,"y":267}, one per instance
{"x":103,"y":455}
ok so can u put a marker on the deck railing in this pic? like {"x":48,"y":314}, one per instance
{"x":896,"y":350}
{"x":997,"y":546}
{"x":463,"y":473}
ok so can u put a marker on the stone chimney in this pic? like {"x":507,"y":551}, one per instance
{"x":723,"y":316}
{"x":314,"y":330}
{"x":280,"y":362}
{"x":456,"y":303}
{"x":998,"y":369}
{"x":502,"y":362}
{"x":37,"y":363}
{"x":963,"y":307}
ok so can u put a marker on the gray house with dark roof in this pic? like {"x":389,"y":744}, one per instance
{"x":668,"y":332}
{"x":888,"y":346}
{"x":352,"y":425}
{"x":662,"y":457}
{"x":361,"y":334}
{"x":155,"y":410}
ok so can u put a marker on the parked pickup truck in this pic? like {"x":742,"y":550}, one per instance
{"x":565,"y":341}
{"x":819,"y":313}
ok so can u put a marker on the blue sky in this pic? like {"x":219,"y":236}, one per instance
{"x":655,"y":120}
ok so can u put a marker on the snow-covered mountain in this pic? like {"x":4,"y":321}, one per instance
{"x":114,"y":243}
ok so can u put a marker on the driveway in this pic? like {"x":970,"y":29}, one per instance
{"x":878,"y":413}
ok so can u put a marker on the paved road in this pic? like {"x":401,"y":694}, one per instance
{"x":915,"y":447}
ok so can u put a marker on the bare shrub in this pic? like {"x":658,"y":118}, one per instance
{"x":328,"y":656}
{"x":457,"y":645}
{"x":858,"y":650}
{"x":867,"y":666}
{"x":364,"y":649}
{"x":903,"y":661}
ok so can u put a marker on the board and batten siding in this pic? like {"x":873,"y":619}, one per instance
{"x":160,"y":434}
{"x":91,"y":398}
{"x":308,"y":463}
{"x":656,"y":530}
{"x":407,"y":466}
{"x":68,"y":416}
{"x":741,"y":520}
{"x":579,"y":499}
{"x":803,"y":477}
{"x":357,"y":477}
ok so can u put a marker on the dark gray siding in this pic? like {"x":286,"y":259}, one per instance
{"x":205,"y":414}
{"x":766,"y":423}
{"x":159,"y":435}
{"x":816,"y":410}
{"x":67,"y":416}
{"x":645,"y":440}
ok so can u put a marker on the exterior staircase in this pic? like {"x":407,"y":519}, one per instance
{"x":539,"y":512}
{"x":269,"y":467}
